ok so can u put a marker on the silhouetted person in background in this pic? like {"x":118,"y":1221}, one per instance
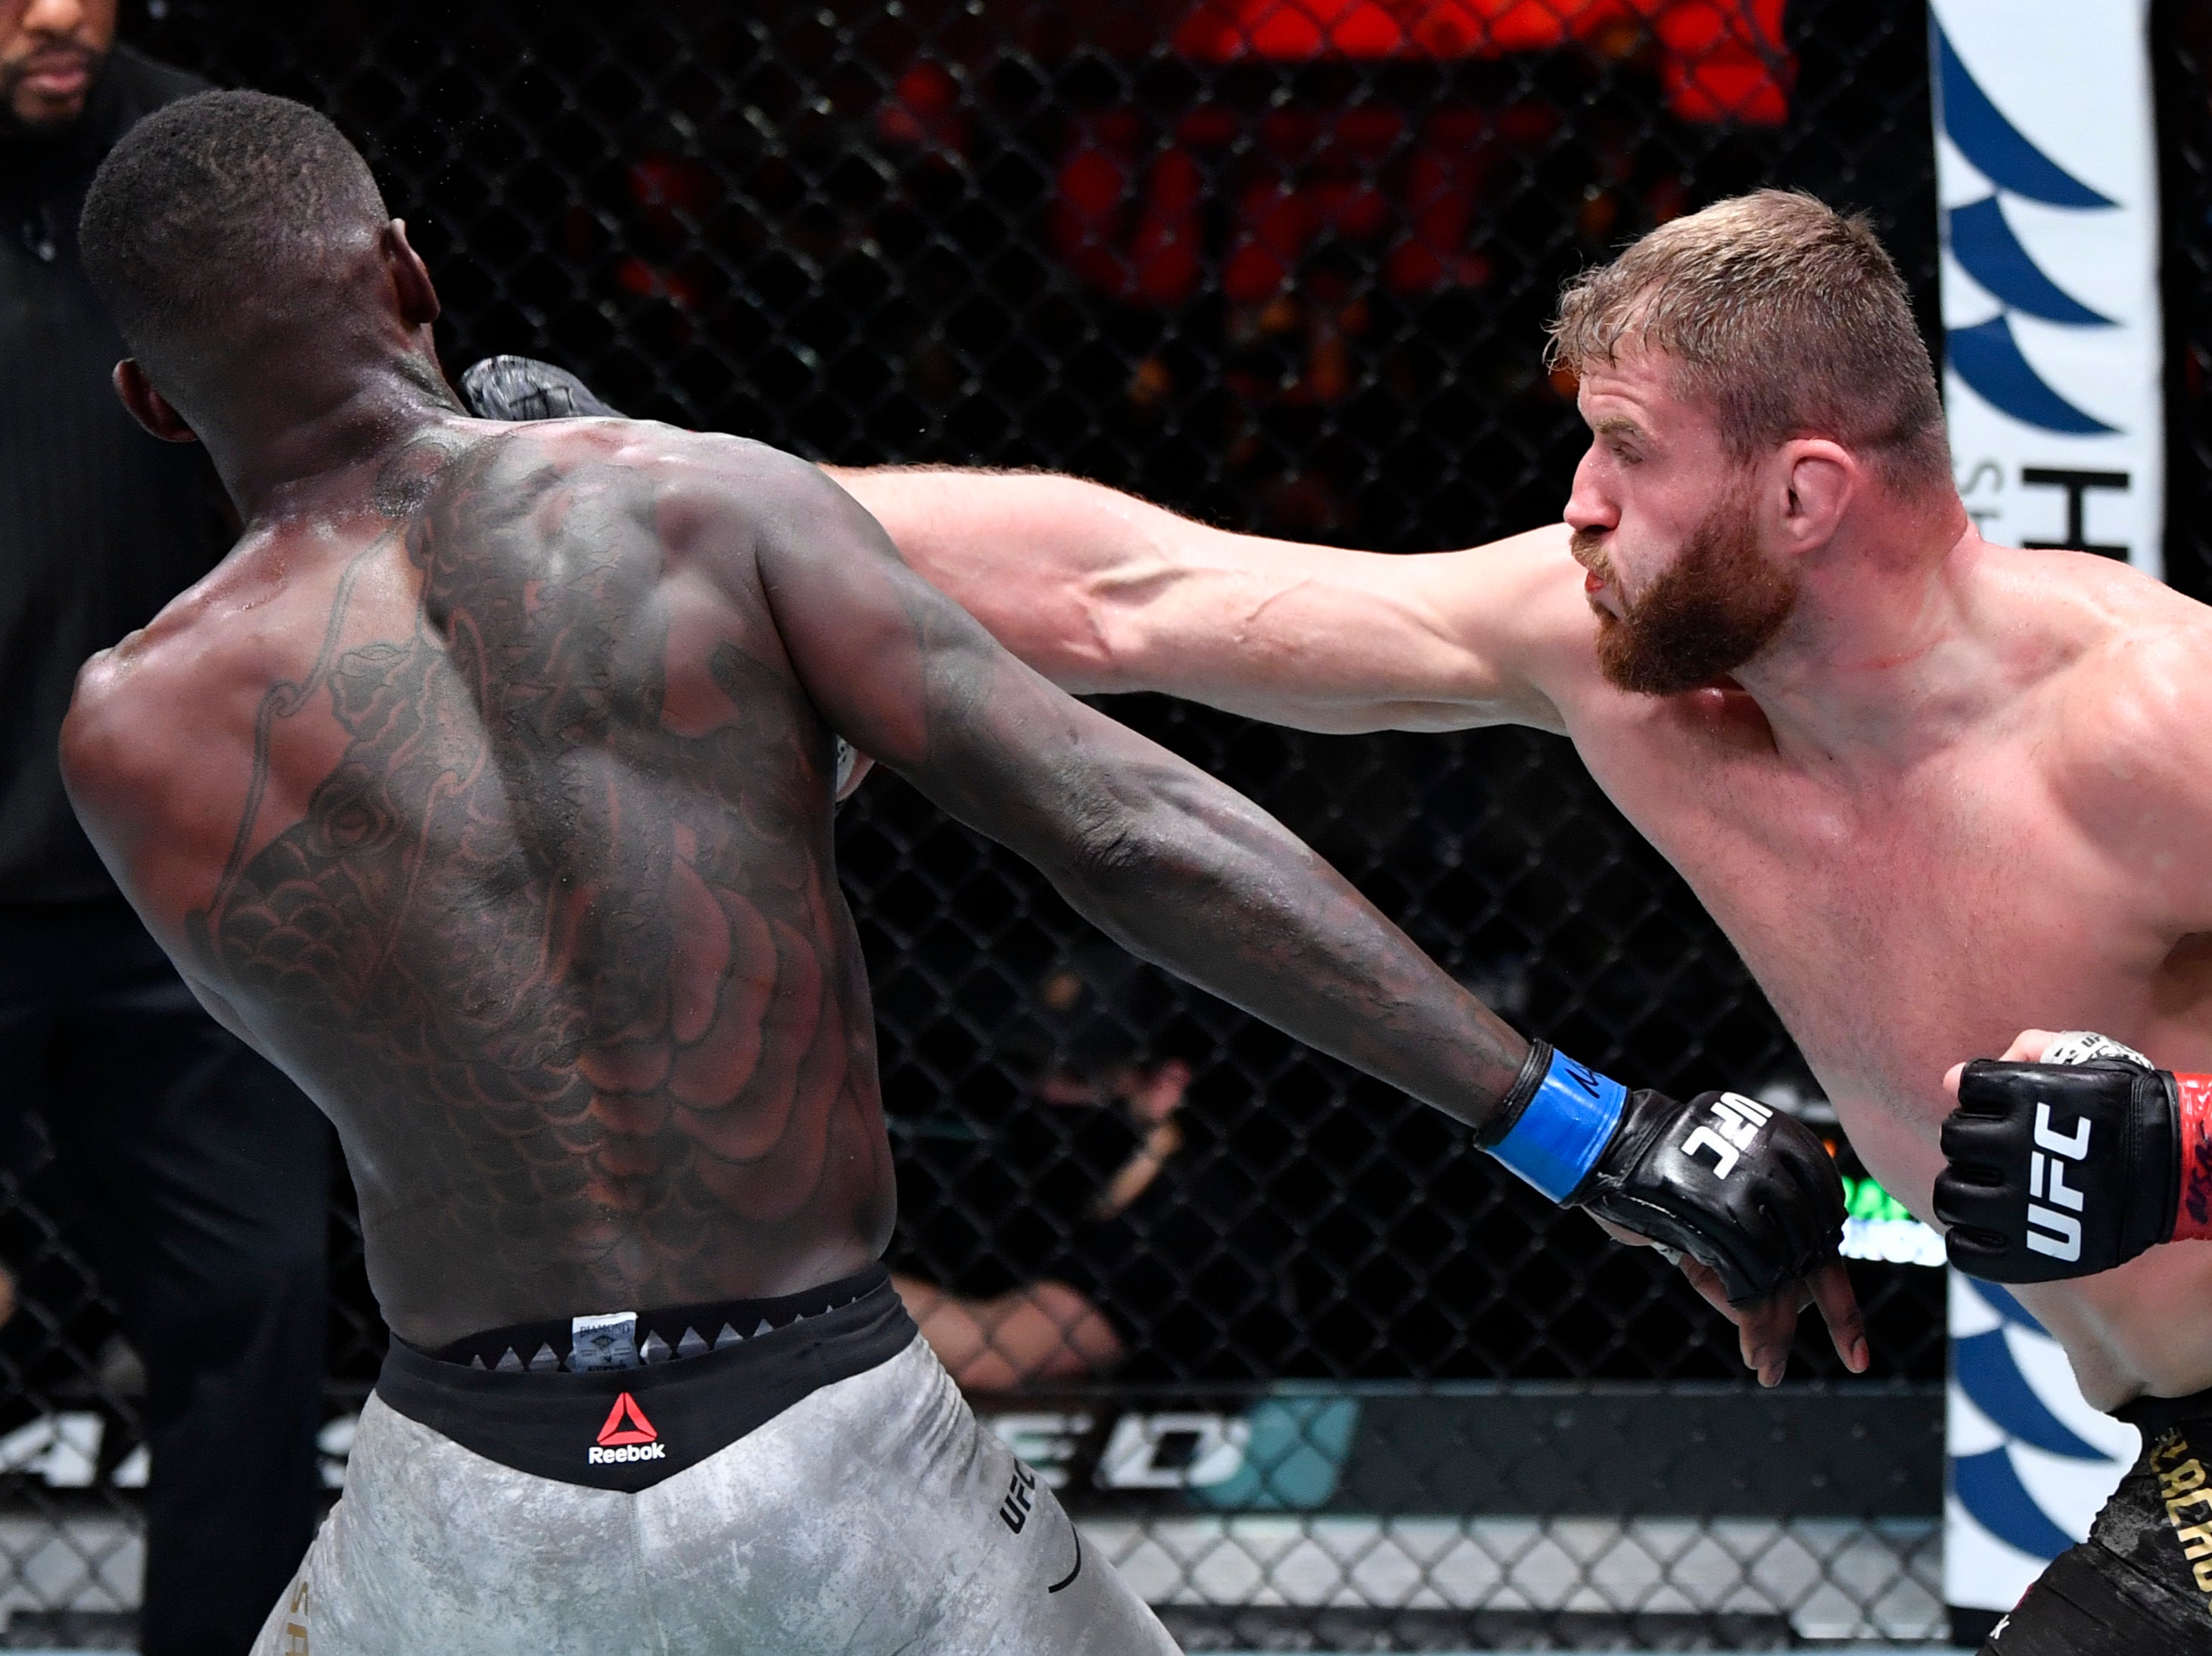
{"x":204,"y":1171}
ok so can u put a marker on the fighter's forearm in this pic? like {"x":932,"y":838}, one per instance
{"x":1205,"y":884}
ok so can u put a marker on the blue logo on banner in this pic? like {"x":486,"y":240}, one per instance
{"x":1988,"y":1485}
{"x":1987,"y":356}
{"x":1988,"y":1489}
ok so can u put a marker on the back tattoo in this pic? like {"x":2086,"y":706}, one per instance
{"x":590,"y":973}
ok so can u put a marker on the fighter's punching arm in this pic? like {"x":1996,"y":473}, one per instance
{"x":1188,"y":874}
{"x":1102,"y":592}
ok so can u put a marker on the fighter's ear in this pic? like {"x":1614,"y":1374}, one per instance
{"x":410,"y":277}
{"x":148,"y":406}
{"x":1819,"y":478}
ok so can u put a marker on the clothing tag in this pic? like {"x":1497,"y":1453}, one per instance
{"x":605,"y":1342}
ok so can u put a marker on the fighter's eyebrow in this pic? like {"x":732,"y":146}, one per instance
{"x":1617,"y":425}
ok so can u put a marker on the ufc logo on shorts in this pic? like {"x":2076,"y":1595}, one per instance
{"x":1735,"y":1122}
{"x":2049,"y":1230}
{"x":1021,"y":1492}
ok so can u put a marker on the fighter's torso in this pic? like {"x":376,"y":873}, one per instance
{"x":530,"y":885}
{"x":1903,"y":927}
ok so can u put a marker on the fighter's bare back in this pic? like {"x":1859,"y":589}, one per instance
{"x":506,"y":830}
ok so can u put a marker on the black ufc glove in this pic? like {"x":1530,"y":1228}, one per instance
{"x":1750,"y":1192}
{"x":523,"y":388}
{"x":2063,"y":1169}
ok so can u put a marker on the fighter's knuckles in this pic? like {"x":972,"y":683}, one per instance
{"x":1985,"y":1254}
{"x":1965,"y":1202}
{"x":1989,"y":1089}
{"x":1970,"y":1139}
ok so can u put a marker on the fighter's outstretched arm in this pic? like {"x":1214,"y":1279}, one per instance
{"x":1173,"y":865}
{"x":1188,"y":874}
{"x":1102,"y":591}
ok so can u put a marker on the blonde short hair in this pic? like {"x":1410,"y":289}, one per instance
{"x":1786,"y":318}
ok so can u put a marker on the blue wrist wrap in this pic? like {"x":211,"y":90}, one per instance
{"x":1564,"y":1129}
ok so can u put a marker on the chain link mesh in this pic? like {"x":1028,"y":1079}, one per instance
{"x":1315,"y":1373}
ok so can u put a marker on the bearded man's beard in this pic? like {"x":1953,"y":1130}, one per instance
{"x":12,"y":75}
{"x":1721,"y":603}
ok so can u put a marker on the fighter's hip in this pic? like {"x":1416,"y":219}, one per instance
{"x":873,"y":1514}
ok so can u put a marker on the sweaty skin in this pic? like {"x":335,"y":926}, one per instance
{"x":486,"y":787}
{"x":1965,"y":793}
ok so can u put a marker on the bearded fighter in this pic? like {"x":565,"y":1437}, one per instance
{"x":486,"y":787}
{"x":1935,"y":791}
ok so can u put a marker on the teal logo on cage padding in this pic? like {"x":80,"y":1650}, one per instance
{"x":1292,"y":1459}
{"x":1986,"y":356}
{"x":1283,"y":1451}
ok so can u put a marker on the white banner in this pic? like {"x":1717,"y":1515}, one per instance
{"x":2028,"y":1462}
{"x":2046,"y":175}
{"x":2047,"y":178}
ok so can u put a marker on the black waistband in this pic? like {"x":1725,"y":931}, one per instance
{"x":2151,"y":1415}
{"x":628,"y":1428}
{"x":671,"y":1333}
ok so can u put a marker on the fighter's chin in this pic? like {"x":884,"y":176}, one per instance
{"x":1628,"y":663}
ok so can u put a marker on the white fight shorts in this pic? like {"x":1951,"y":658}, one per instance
{"x":867,"y":1515}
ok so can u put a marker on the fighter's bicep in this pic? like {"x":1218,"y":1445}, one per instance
{"x":1344,"y":642}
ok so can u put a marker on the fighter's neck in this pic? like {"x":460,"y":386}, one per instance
{"x":1883,"y":663}
{"x":313,"y":450}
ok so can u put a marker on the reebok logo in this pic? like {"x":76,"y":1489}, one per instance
{"x":627,"y":1435}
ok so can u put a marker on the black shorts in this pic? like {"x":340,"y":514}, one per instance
{"x":2143,"y":1581}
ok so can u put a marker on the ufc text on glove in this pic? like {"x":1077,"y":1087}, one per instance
{"x":1749,"y":1192}
{"x":2060,"y":1170}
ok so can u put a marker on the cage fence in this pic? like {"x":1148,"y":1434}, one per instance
{"x":1312,"y":1372}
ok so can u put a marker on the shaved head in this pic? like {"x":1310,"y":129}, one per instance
{"x":220,"y":216}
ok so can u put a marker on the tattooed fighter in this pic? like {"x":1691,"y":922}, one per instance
{"x":1936,"y":791}
{"x":487,"y":788}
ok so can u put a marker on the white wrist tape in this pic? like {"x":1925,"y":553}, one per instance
{"x":2086,"y":1046}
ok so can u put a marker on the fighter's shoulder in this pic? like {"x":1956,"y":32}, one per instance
{"x":701,"y":484}
{"x":133,"y":700}
{"x":1536,"y":561}
{"x":1519,"y":602}
{"x":1525,"y":588}
{"x":2132,"y":703}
